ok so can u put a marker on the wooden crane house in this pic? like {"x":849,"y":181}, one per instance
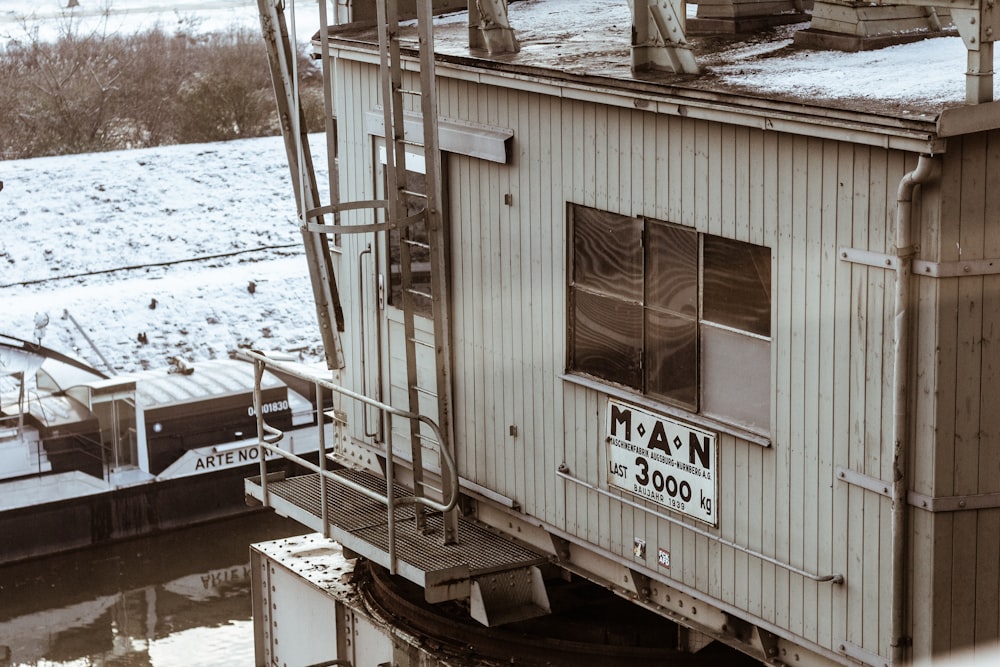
{"x":599,"y":307}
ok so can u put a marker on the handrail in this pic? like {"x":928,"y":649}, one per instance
{"x":269,"y":437}
{"x":564,"y":472}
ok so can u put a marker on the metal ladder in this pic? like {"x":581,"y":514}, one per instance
{"x":315,"y":230}
{"x":501,"y":578}
{"x":393,"y":96}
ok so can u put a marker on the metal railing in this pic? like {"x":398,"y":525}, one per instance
{"x":268,"y":438}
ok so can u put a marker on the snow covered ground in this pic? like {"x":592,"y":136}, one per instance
{"x":69,"y":222}
{"x":64,"y":217}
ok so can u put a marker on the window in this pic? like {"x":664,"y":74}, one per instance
{"x":679,"y":316}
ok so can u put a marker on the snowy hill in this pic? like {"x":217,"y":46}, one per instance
{"x":72,"y":225}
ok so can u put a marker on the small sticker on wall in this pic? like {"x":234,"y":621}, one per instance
{"x":639,"y":548}
{"x":663,"y":558}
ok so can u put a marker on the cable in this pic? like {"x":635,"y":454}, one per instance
{"x":39,"y":281}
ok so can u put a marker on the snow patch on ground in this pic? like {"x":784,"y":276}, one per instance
{"x":90,"y":214}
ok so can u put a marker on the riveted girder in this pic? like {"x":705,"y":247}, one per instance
{"x":658,"y":37}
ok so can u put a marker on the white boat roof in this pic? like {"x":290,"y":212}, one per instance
{"x":161,"y":387}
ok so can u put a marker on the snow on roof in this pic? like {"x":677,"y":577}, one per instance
{"x":591,"y":38}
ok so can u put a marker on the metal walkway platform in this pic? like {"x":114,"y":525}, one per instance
{"x":501,"y":578}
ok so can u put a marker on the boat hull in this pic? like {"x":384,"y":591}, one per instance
{"x":47,"y":528}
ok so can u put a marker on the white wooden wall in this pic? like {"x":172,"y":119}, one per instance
{"x":805,"y":198}
{"x":956,"y":583}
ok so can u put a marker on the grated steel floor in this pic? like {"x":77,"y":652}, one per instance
{"x":361,"y":524}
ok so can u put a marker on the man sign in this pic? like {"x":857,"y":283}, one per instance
{"x":662,"y":460}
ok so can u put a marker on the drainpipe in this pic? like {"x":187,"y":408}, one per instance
{"x":905,"y":251}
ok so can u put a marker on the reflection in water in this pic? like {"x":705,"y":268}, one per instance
{"x":182,"y":598}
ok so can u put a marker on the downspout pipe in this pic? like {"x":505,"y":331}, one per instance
{"x":905,"y":251}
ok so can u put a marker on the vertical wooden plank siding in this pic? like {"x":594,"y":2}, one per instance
{"x":842,"y":381}
{"x":857,"y":397}
{"x":771,"y":504}
{"x":875,"y":379}
{"x":751,"y":186}
{"x":825,"y":528}
{"x":945,"y":327}
{"x":781,"y":345}
{"x":988,"y":556}
{"x":513,"y":277}
{"x":797,"y":285}
{"x":552,"y":248}
{"x":812,"y":340}
{"x":968,"y":364}
{"x":536,"y":464}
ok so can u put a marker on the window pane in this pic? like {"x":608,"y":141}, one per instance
{"x":737,"y":285}
{"x":736,"y":378}
{"x":672,"y":269}
{"x":607,"y":338}
{"x":607,"y":253}
{"x":420,"y":263}
{"x":672,"y":358}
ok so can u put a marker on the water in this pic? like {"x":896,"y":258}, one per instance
{"x":182,"y":598}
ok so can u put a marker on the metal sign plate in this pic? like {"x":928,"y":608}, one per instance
{"x":662,"y":460}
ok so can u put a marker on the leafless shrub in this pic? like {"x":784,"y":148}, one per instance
{"x":103,"y":91}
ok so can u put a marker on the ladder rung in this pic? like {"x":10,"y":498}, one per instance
{"x":422,"y":342}
{"x":409,"y":91}
{"x":413,"y":193}
{"x":417,"y":244}
{"x":415,"y":292}
{"x":425,"y":438}
{"x":424,"y":390}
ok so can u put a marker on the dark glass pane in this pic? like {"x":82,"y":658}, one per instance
{"x":672,"y":358}
{"x":607,"y":253}
{"x":607,"y":338}
{"x":737,"y":285}
{"x":420,"y":263}
{"x":672,"y":268}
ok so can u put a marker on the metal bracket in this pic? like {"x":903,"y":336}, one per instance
{"x":561,"y":547}
{"x":920,"y":500}
{"x":922,"y":267}
{"x":879,"y":486}
{"x":768,"y":643}
{"x":877,"y":259}
{"x":981,"y":501}
{"x":643,"y":585}
{"x":981,"y":267}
